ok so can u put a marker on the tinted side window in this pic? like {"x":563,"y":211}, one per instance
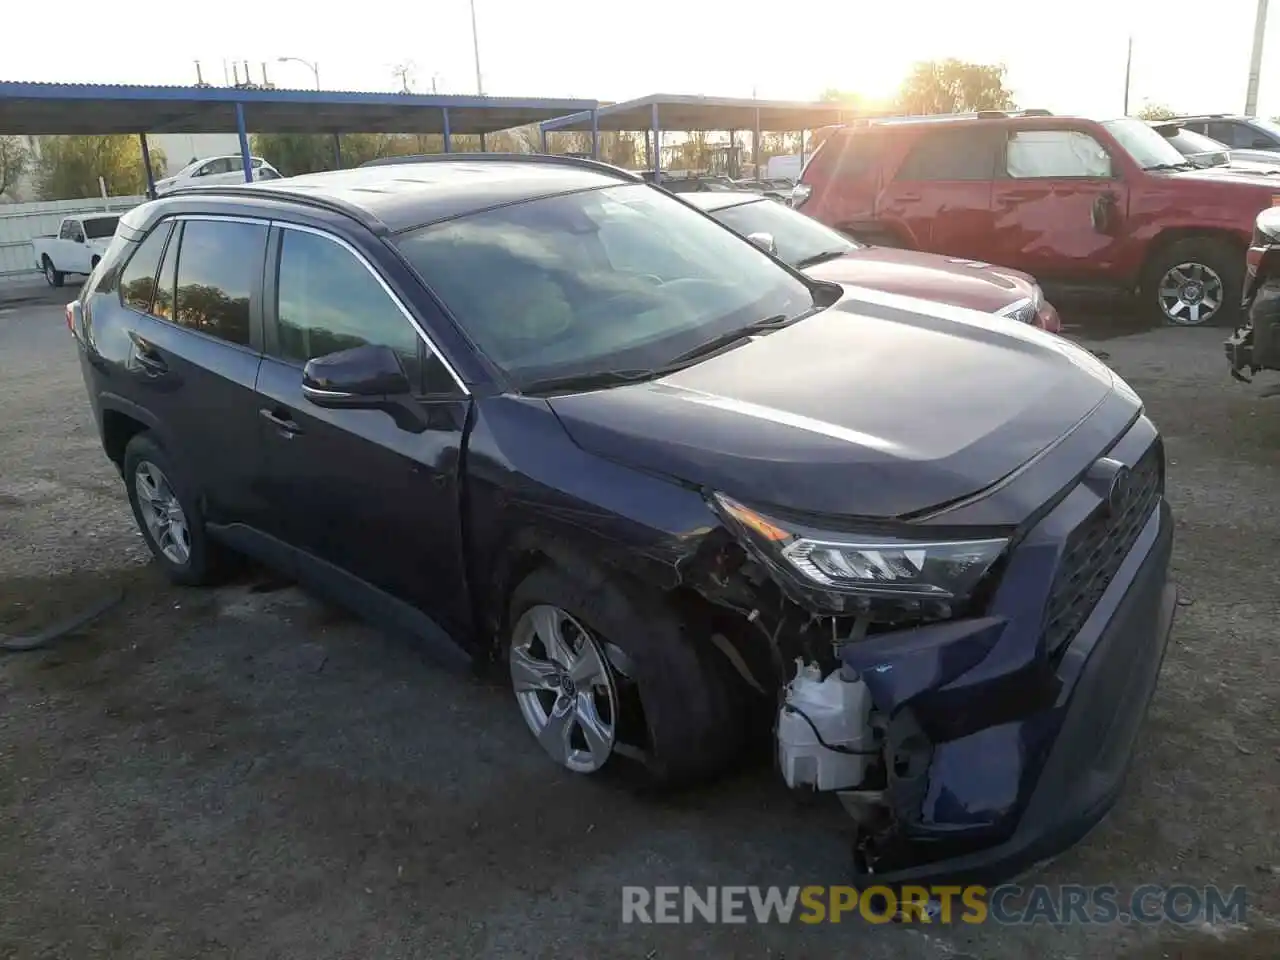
{"x":329,"y":301}
{"x":138,"y":279}
{"x":951,"y":155}
{"x":1055,"y":153}
{"x":219,"y":267}
{"x":165,"y":286}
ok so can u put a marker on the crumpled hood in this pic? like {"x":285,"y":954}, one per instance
{"x":954,"y":280}
{"x":880,"y":406}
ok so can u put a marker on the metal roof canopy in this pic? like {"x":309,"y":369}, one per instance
{"x":99,"y":109}
{"x":703,"y":113}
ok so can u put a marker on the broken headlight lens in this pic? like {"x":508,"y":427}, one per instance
{"x":869,"y":566}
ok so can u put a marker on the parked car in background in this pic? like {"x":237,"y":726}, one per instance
{"x":1208,"y":154}
{"x":77,"y":247}
{"x":1255,"y":345}
{"x":1085,"y":207}
{"x":540,"y":409}
{"x":1248,"y":138}
{"x":827,"y":255}
{"x":213,"y":170}
{"x":773,"y":189}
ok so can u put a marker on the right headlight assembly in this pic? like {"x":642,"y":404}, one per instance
{"x":887,"y":567}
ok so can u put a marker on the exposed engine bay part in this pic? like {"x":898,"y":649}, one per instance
{"x":825,"y":738}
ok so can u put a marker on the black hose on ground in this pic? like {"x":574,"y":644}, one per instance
{"x":48,"y":635}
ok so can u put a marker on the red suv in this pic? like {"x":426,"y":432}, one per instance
{"x":1081,"y":205}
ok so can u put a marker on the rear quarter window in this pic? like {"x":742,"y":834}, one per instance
{"x":957,"y":154}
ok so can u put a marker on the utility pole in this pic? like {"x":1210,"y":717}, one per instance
{"x":1128,"y":68}
{"x":1255,"y":61}
{"x":475,"y":46}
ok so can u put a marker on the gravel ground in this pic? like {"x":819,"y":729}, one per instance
{"x":247,"y":773}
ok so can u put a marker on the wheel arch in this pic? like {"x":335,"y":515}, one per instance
{"x":1166,"y":238}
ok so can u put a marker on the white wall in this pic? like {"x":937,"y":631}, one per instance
{"x":20,"y":222}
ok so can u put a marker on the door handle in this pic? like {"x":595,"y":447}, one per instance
{"x":288,"y":428}
{"x":147,"y":356}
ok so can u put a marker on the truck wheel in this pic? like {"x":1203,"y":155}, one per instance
{"x":169,"y":515}
{"x":54,"y":278}
{"x":1196,"y":282}
{"x":596,"y":667}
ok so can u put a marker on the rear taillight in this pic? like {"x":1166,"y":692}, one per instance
{"x":73,"y":317}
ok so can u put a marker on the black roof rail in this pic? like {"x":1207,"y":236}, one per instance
{"x":260,"y":191}
{"x":553,"y":158}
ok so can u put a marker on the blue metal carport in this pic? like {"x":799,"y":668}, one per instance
{"x":39,"y":109}
{"x":659,"y":111}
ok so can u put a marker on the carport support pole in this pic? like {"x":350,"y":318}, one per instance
{"x":802,"y":149}
{"x":244,"y":144}
{"x":732,"y":163}
{"x":595,"y":135}
{"x":755,"y":143}
{"x":543,"y":132}
{"x":448,"y":140}
{"x":337,"y":151}
{"x":657,"y":144}
{"x":146,"y":163}
{"x":483,"y":148}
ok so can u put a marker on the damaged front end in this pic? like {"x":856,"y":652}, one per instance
{"x":1255,"y":345}
{"x":970,"y":696}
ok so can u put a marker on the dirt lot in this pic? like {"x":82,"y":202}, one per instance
{"x":247,"y":773}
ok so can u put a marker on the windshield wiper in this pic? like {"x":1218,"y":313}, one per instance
{"x":733,"y":336}
{"x":588,"y":381}
{"x":818,"y":258}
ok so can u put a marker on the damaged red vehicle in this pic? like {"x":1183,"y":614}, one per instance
{"x":533,"y":410}
{"x":824,"y":254}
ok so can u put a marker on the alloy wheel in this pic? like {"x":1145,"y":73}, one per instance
{"x":564,"y":688}
{"x":50,"y":274}
{"x":162,"y":513}
{"x":1191,"y":294}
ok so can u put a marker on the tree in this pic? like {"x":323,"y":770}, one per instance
{"x":953,"y":86}
{"x":1154,"y":111}
{"x":68,"y":168}
{"x":14,"y":159}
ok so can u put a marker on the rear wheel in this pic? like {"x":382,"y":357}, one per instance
{"x":600,"y":670}
{"x":54,"y":278}
{"x":169,"y":515}
{"x":1196,"y":282}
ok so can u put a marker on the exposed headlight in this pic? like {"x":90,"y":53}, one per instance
{"x":868,"y":566}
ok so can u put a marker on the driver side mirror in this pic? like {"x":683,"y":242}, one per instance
{"x":367,"y":376}
{"x":765,"y":242}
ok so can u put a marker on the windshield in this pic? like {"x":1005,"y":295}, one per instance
{"x":1192,"y":144}
{"x":100,"y":227}
{"x":616,"y":278}
{"x":1148,"y":149}
{"x":800,"y":239}
{"x":1270,"y":126}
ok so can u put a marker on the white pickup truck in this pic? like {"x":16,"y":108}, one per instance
{"x":78,"y":246}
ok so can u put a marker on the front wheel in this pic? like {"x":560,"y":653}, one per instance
{"x":601,"y":670}
{"x":1195,"y":283}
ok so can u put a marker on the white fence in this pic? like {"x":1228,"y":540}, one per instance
{"x":22,"y":222}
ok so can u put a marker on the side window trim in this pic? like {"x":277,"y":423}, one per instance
{"x":167,"y":224}
{"x":273,"y":259}
{"x":255,"y":344}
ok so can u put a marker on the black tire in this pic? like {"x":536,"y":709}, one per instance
{"x":206,"y":561}
{"x":55,"y":278}
{"x":691,"y":703}
{"x":1216,"y":257}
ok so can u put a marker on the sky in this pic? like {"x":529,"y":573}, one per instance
{"x":1068,"y":57}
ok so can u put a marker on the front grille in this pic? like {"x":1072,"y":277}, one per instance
{"x":1095,"y":550}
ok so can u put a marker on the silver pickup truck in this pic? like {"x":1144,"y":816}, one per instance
{"x":76,"y":248}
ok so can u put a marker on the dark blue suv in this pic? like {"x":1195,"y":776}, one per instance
{"x":538,"y":411}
